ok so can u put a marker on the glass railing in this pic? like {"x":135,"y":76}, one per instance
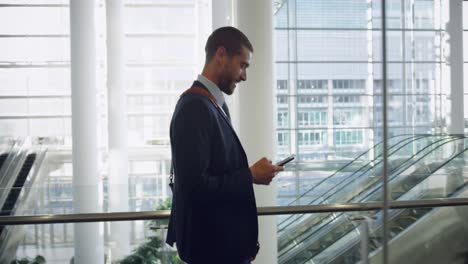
{"x":401,"y":220}
{"x":57,"y":243}
{"x":328,"y":229}
{"x":422,"y":167}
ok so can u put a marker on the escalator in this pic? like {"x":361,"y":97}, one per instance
{"x":14,"y":192}
{"x":3,"y":157}
{"x":19,"y":168}
{"x":325,"y":191}
{"x":342,"y":187}
{"x":405,"y":225}
{"x":308,"y":238}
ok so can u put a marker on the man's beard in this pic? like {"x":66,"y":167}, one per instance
{"x":225,"y":86}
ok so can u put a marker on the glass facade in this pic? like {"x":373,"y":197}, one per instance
{"x":329,"y":75}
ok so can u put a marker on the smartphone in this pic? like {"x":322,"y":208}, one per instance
{"x":286,"y":160}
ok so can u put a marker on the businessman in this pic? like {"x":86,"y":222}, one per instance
{"x":214,"y":216}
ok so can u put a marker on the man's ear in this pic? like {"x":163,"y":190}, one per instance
{"x":220,"y":53}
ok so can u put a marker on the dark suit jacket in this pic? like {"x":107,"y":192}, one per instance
{"x":214,"y":215}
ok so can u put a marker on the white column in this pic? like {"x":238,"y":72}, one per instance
{"x":117,"y":127}
{"x":223,"y":14}
{"x":256,"y":113}
{"x":204,"y":14}
{"x":369,"y":100}
{"x":455,"y":59}
{"x":293,"y":76}
{"x":87,"y":185}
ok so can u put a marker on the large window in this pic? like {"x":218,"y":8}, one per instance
{"x":336,"y":67}
{"x":330,"y":54}
{"x":163,"y":54}
{"x":35,"y":70}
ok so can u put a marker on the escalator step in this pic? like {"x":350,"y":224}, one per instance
{"x":3,"y":157}
{"x":18,"y":185}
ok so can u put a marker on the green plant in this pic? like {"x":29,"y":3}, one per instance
{"x":153,"y":250}
{"x":165,"y":205}
{"x":37,"y":260}
{"x":147,"y":253}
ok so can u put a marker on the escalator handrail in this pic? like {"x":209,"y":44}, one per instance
{"x":401,"y":166}
{"x":397,"y":173}
{"x":411,"y":139}
{"x":347,"y":165}
{"x":335,"y":173}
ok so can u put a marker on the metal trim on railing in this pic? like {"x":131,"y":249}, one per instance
{"x":274,"y":210}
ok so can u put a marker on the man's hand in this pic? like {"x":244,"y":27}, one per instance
{"x":263,"y":171}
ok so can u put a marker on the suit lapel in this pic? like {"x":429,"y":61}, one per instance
{"x":220,"y":111}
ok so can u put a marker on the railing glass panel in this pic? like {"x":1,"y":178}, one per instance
{"x":119,"y":242}
{"x":357,"y":186}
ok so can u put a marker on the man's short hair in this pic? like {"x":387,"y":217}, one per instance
{"x":230,"y":38}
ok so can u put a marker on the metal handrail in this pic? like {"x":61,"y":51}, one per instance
{"x":272,"y":210}
{"x":353,"y":161}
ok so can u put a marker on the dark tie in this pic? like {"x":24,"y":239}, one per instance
{"x":226,"y":111}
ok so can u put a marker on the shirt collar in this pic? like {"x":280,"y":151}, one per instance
{"x":213,"y":89}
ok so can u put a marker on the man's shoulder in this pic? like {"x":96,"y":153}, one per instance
{"x":193,"y":104}
{"x":194,"y":99}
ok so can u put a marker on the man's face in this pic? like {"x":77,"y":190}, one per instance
{"x":234,"y":70}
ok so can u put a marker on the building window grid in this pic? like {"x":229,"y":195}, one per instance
{"x":282,"y":85}
{"x":282,"y":138}
{"x":282,"y":119}
{"x":348,"y":137}
{"x":347,"y":99}
{"x":394,"y":85}
{"x":310,"y":138}
{"x":356,"y":93}
{"x":312,"y":84}
{"x":349,"y":84}
{"x":311,"y":100}
{"x":347,"y":117}
{"x":312,"y":118}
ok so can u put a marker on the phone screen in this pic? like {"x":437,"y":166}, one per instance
{"x":286,"y":160}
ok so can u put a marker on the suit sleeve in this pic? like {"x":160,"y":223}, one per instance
{"x":192,"y":130}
